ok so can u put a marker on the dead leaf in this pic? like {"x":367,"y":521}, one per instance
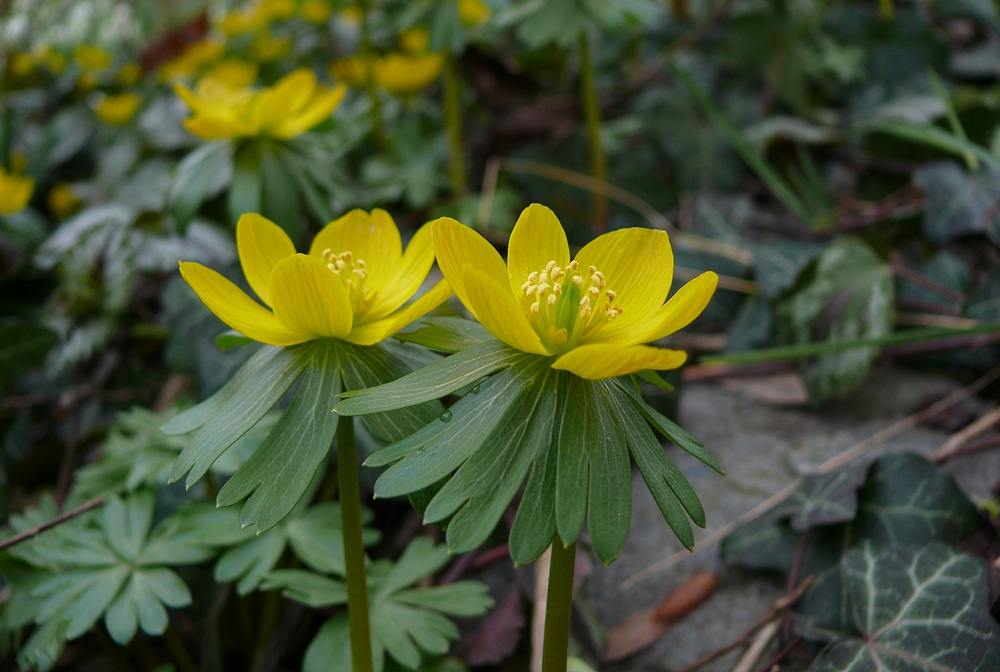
{"x":646,"y":626}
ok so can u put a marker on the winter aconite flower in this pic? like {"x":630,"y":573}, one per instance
{"x":118,"y":110}
{"x":351,"y":286}
{"x":473,"y":12}
{"x":294,"y":105}
{"x":63,"y":201}
{"x":15,"y":192}
{"x":593,"y":312}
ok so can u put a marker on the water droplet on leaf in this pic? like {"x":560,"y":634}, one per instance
{"x":445,"y":417}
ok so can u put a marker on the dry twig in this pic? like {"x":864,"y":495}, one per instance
{"x":48,"y":525}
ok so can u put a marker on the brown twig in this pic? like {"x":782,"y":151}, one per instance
{"x":779,"y":605}
{"x":833,"y":463}
{"x":957,"y":440}
{"x":777,"y":658}
{"x":901,"y":270}
{"x":970,"y":448}
{"x":58,"y":520}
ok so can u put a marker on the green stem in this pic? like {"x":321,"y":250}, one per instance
{"x":178,"y":650}
{"x":354,"y":548}
{"x":558,"y":605}
{"x":592,"y":117}
{"x":453,"y":123}
{"x":378,"y":129}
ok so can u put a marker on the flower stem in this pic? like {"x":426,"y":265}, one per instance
{"x":558,"y":604}
{"x":354,"y":549}
{"x":378,"y":130}
{"x":453,"y":123}
{"x":592,"y":117}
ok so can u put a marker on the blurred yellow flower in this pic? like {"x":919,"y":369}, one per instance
{"x":195,"y":57}
{"x":22,"y":64}
{"x":315,"y":11}
{"x":352,"y":285}
{"x":130,"y":73}
{"x":407,"y":73}
{"x":473,"y":13}
{"x":594,"y":312}
{"x":289,"y":108}
{"x":414,"y":40}
{"x":63,"y":201}
{"x":240,"y":22}
{"x":15,"y":192}
{"x":54,"y":61}
{"x":90,"y":57}
{"x":233,"y":72}
{"x":87,"y":80}
{"x":118,"y":110}
{"x":350,"y":15}
{"x":267,"y":48}
{"x":276,"y":10}
{"x":350,"y":69}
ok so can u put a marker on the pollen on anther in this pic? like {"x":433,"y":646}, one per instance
{"x":574,"y":265}
{"x":611,"y":295}
{"x":350,"y":284}
{"x":578,"y":281}
{"x":536,"y":307}
{"x":552,"y":298}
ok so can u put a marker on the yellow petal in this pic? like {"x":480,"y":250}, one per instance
{"x":231,"y":305}
{"x":607,"y":360}
{"x":308,"y":298}
{"x":681,"y":310}
{"x":379,"y":330}
{"x":638,"y":265}
{"x":261,"y":244}
{"x":319,"y":108}
{"x":537,"y":239}
{"x":497,"y":310}
{"x":456,"y":246}
{"x":372,"y":238}
{"x":217,"y":127}
{"x":284,"y":99}
{"x":188,"y":96}
{"x":412,"y":270}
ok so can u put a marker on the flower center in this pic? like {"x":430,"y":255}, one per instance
{"x":352,"y":273}
{"x":567,"y":304}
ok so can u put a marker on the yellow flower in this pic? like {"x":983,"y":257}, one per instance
{"x":233,"y":72}
{"x":593,"y":313}
{"x":267,"y":48}
{"x":350,"y":69}
{"x":15,"y":192}
{"x":53,"y":60}
{"x":276,"y":10}
{"x":193,"y":58}
{"x":90,"y":57}
{"x":473,"y":12}
{"x":63,"y":201}
{"x":87,"y":80}
{"x":130,"y":73}
{"x":240,"y":22}
{"x":315,"y":11}
{"x":118,"y":110}
{"x":352,"y":284}
{"x":407,"y":73}
{"x":351,"y":16}
{"x":414,"y":40}
{"x":291,"y":107}
{"x":22,"y":64}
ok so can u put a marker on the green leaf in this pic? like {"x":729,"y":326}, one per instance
{"x":653,"y":378}
{"x":778,"y":264}
{"x":235,"y":409}
{"x":849,"y":296}
{"x":408,"y":623}
{"x":921,"y":609}
{"x":245,"y":189}
{"x":446,"y":334}
{"x":23,"y":346}
{"x":907,"y":500}
{"x":278,"y":473}
{"x":434,"y":381}
{"x":824,"y":499}
{"x":204,"y":172}
{"x":670,"y":429}
{"x":931,"y":136}
{"x":231,"y":339}
{"x":959,"y":202}
{"x":365,"y":367}
{"x":279,"y":192}
{"x":666,"y":483}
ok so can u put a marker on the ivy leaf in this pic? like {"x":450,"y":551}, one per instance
{"x":446,"y":334}
{"x":204,"y":172}
{"x":849,"y":296}
{"x":778,"y":264}
{"x":921,"y":609}
{"x":824,"y":499}
{"x":408,"y":623}
{"x":959,"y":202}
